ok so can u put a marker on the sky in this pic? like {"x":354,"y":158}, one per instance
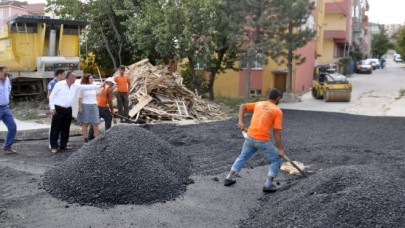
{"x":381,"y":11}
{"x":387,"y":11}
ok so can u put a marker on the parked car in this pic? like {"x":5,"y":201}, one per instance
{"x":375,"y":63}
{"x":364,"y":66}
{"x":397,"y":58}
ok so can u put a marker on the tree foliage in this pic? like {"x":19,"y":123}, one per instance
{"x":380,"y":44}
{"x":400,"y":44}
{"x":211,"y":33}
{"x":105,"y":31}
{"x":292,"y":31}
{"x":199,"y":31}
{"x":276,"y":28}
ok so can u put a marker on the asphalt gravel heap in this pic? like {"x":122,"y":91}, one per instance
{"x":357,"y":164}
{"x":126,"y":165}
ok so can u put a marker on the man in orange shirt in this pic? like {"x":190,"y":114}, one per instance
{"x":266,"y":115}
{"x":123,"y":85}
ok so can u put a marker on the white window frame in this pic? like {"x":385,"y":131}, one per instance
{"x":199,"y":66}
{"x":257,"y":63}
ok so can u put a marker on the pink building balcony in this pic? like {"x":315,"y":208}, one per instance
{"x":335,"y":34}
{"x":338,"y":7}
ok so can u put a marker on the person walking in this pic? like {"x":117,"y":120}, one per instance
{"x":88,"y":111}
{"x":6,"y":115}
{"x":123,"y":85}
{"x":266,"y":114}
{"x":59,"y":76}
{"x":60,"y":102}
{"x":105,"y":105}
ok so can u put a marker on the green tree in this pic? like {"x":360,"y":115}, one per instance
{"x":276,"y":28}
{"x":200,"y":31}
{"x":222,"y":41}
{"x":105,"y":32}
{"x":292,"y":30}
{"x":258,"y":32}
{"x":380,"y":44}
{"x":400,"y":43}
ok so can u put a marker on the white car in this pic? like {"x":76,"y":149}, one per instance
{"x":375,"y":63}
{"x":397,"y":58}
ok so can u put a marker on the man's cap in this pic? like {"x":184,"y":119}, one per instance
{"x":110,"y":79}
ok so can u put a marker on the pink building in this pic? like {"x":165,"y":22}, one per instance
{"x":9,"y":9}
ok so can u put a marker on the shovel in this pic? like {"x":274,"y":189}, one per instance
{"x":138,"y":121}
{"x":295,"y":165}
{"x":284,"y":156}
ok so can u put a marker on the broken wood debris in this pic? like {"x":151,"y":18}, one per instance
{"x":158,"y":94}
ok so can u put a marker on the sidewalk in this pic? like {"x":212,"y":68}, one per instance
{"x":27,"y":130}
{"x":31,"y":131}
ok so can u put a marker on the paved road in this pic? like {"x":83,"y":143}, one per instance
{"x":375,"y":95}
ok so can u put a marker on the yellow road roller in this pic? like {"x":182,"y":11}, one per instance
{"x":331,"y":86}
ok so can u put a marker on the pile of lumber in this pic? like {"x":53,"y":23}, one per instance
{"x":158,"y":94}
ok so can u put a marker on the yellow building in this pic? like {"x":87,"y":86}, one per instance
{"x":337,"y":30}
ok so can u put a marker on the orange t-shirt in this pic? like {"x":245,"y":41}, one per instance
{"x":265,"y":115}
{"x":102,"y":96}
{"x":122,"y":83}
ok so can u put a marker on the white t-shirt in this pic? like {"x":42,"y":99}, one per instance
{"x":88,"y":97}
{"x":63,"y":95}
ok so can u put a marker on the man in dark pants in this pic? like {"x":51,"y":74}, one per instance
{"x":60,"y":102}
{"x":5,"y":113}
{"x":105,"y":104}
{"x":59,"y":76}
{"x":123,"y":86}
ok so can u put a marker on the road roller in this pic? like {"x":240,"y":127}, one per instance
{"x":330,"y":86}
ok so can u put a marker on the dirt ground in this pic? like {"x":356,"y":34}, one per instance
{"x":355,"y":180}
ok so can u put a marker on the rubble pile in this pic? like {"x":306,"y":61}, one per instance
{"x":158,"y":94}
{"x":126,"y":165}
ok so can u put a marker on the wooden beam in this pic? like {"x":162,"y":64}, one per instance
{"x":142,"y":103}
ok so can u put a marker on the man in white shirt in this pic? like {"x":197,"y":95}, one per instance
{"x":5,"y":113}
{"x":60,"y":103}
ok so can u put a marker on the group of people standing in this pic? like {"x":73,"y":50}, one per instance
{"x":94,"y":102}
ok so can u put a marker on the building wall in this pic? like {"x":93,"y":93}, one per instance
{"x":320,"y":21}
{"x":335,"y":21}
{"x":328,"y":50}
{"x":302,"y":79}
{"x":227,"y":84}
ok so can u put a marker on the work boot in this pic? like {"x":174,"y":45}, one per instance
{"x":229,"y":182}
{"x":270,"y":189}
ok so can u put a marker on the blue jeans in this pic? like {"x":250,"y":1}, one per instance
{"x":7,"y":117}
{"x":251,"y":146}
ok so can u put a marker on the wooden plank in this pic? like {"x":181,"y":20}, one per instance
{"x":153,"y":84}
{"x":142,"y":103}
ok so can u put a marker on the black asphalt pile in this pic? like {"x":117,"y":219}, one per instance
{"x":358,"y":167}
{"x":127,"y":165}
{"x":344,"y":196}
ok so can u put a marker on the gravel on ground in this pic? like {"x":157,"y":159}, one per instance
{"x":356,"y":166}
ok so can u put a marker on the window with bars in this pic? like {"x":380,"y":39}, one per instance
{"x":258,"y":62}
{"x":199,"y":66}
